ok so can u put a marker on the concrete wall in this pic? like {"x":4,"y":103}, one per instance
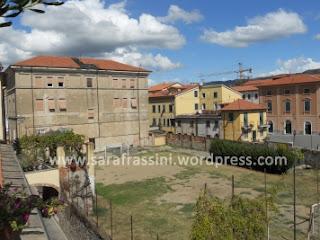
{"x":109,"y":124}
{"x":47,"y":178}
{"x":185,"y":102}
{"x":199,"y":127}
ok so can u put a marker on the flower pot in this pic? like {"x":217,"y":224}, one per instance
{"x":8,"y":234}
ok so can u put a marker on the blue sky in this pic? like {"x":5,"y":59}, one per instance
{"x":275,"y":36}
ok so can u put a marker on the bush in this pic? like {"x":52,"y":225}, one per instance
{"x":242,"y":218}
{"x":225,"y":148}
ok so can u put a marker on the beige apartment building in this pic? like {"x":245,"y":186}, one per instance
{"x":104,"y":100}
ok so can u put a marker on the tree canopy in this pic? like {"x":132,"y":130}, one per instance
{"x":12,"y":8}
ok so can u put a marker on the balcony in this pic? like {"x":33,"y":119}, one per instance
{"x":246,"y":126}
{"x":263,"y":126}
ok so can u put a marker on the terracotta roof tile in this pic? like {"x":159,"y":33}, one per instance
{"x":68,"y":62}
{"x":48,"y":61}
{"x":166,"y":93}
{"x":111,"y":65}
{"x":248,"y":88}
{"x":241,"y":104}
{"x":160,"y":87}
{"x":291,"y":80}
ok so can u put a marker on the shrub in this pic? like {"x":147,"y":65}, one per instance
{"x":225,"y":148}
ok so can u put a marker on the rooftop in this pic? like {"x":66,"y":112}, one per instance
{"x":291,"y":79}
{"x":167,"y":92}
{"x":77,"y":63}
{"x":242,"y":105}
{"x":249,"y":88}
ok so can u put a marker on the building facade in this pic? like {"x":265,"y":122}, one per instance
{"x":106,"y":101}
{"x":168,"y":100}
{"x":249,"y":93}
{"x":244,"y":121}
{"x":293,"y":104}
{"x":201,"y":125}
{"x":212,"y":97}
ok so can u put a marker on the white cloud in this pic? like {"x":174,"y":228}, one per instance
{"x":271,"y":26}
{"x":317,"y":36}
{"x":89,"y":28}
{"x":294,"y":65}
{"x":132,"y":56}
{"x":175,"y":13}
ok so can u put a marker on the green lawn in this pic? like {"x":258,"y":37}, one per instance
{"x":164,"y":204}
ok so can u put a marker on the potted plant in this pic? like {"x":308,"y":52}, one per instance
{"x":15,"y":209}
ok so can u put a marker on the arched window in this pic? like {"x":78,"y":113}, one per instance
{"x":307,"y":128}
{"x":288,"y":127}
{"x":270,"y":123}
{"x":287,"y":106}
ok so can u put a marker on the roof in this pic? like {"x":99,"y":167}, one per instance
{"x":248,"y":88}
{"x":77,"y":63}
{"x":199,"y":115}
{"x":167,"y":93}
{"x":243,"y":105}
{"x":160,"y":86}
{"x":291,"y":80}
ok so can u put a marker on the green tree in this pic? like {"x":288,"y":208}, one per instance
{"x":13,"y":8}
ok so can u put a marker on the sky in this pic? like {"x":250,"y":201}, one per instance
{"x":185,"y":40}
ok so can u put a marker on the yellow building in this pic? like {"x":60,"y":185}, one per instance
{"x":212,"y":97}
{"x":244,"y":121}
{"x":168,"y":100}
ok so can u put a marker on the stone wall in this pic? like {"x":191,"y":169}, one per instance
{"x":186,"y":141}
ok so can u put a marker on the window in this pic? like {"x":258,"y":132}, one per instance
{"x":269,"y":106}
{"x":195,"y":93}
{"x":172,"y":122}
{"x":287,"y":106}
{"x":307,"y":128}
{"x":124,"y":83}
{"x":38,"y":83}
{"x":270,"y":123}
{"x":216,"y":124}
{"x":115,"y":83}
{"x":89,"y":82}
{"x":61,"y":84}
{"x":164,"y":122}
{"x":203,"y":106}
{"x":116,"y":103}
{"x":154,"y":122}
{"x":243,"y":96}
{"x":191,"y":124}
{"x":159,"y":108}
{"x":249,"y":96}
{"x":196,"y":106}
{"x":153,"y":108}
{"x":256,"y":96}
{"x":288,"y":128}
{"x":134,"y":103}
{"x":51,"y":105}
{"x":49,"y":84}
{"x":62,"y":104}
{"x":245,"y":119}
{"x":215,"y":95}
{"x":230,"y":117}
{"x":170,"y":108}
{"x":204,"y":95}
{"x":163,"y":108}
{"x":179,"y":123}
{"x":306,"y":91}
{"x":261,"y":118}
{"x":132,"y":83}
{"x":168,"y":122}
{"x":90,"y":113}
{"x":269,"y":92}
{"x":286,"y":92}
{"x":39,"y":105}
{"x":125,"y":102}
{"x":307,"y":105}
{"x":207,"y":124}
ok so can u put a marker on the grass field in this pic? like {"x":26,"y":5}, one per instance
{"x":161,"y":198}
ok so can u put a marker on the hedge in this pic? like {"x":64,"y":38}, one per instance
{"x":225,"y":148}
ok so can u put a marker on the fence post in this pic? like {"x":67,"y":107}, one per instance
{"x":131,"y":227}
{"x":111,"y":220}
{"x":61,"y":155}
{"x":232,"y":187}
{"x":97,"y":216}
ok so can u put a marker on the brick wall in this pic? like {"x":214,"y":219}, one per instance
{"x":187,"y":141}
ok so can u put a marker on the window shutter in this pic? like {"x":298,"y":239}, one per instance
{"x":134,"y":103}
{"x":39,"y":105}
{"x":62,"y":104}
